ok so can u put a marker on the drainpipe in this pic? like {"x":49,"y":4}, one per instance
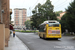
{"x":1,"y":11}
{"x":0,"y":7}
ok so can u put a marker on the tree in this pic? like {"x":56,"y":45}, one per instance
{"x":58,"y":13}
{"x":10,"y":17}
{"x":68,"y":19}
{"x":42,"y":13}
{"x":28,"y":24}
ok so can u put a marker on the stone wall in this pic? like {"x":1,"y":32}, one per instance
{"x":4,"y":5}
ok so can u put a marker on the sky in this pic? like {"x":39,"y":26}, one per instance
{"x":30,"y":4}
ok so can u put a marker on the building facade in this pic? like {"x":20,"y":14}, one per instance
{"x":61,"y":14}
{"x":19,"y":17}
{"x":4,"y":23}
{"x":28,"y":18}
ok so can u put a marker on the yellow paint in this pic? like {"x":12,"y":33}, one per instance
{"x":51,"y":35}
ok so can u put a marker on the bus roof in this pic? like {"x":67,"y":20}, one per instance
{"x":49,"y":21}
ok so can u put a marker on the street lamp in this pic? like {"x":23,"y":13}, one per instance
{"x":48,"y":18}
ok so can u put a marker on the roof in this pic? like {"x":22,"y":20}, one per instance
{"x":49,"y":21}
{"x":20,"y":9}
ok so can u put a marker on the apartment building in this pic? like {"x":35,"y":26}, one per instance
{"x":28,"y":18}
{"x":61,"y":14}
{"x":19,"y":17}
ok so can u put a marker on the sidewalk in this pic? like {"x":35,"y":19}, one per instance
{"x":16,"y":44}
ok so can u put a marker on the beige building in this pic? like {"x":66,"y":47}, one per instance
{"x":5,"y":13}
{"x":19,"y":17}
{"x":28,"y":18}
{"x":61,"y":14}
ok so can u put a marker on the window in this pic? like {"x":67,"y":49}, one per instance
{"x":41,"y":28}
{"x":53,"y":24}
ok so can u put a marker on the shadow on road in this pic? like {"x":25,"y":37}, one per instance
{"x":51,"y":39}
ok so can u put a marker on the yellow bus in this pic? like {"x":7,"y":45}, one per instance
{"x":50,"y":29}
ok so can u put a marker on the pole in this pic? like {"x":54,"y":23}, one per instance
{"x":30,"y":16}
{"x":0,"y":9}
{"x":30,"y":10}
{"x":48,"y":17}
{"x":1,"y":17}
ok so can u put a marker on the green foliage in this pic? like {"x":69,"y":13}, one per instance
{"x":27,"y":31}
{"x":58,"y":13}
{"x":10,"y":17}
{"x":42,"y":13}
{"x":17,"y":30}
{"x":28,"y":24}
{"x":68,"y":20}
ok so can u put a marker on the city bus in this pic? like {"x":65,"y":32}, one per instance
{"x":50,"y":29}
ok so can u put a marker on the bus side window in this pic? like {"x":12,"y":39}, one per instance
{"x":41,"y":29}
{"x":44,"y":28}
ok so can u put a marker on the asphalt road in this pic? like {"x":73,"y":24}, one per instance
{"x":33,"y":42}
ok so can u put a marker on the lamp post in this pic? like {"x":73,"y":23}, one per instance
{"x":30,"y":10}
{"x":48,"y":18}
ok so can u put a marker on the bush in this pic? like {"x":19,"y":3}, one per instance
{"x":27,"y":31}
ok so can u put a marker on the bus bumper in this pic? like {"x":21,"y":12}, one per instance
{"x":53,"y":36}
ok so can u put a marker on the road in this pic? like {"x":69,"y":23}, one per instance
{"x":33,"y":42}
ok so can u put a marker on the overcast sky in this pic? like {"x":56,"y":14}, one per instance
{"x":58,"y":4}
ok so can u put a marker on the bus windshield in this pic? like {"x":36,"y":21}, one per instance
{"x":53,"y":24}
